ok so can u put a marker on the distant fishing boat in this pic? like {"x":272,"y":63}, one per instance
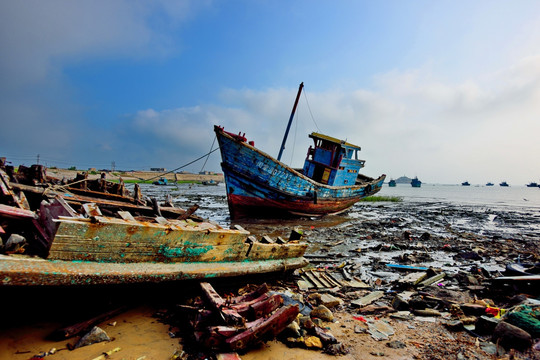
{"x":161,"y":181}
{"x":415,"y":182}
{"x":504,"y":183}
{"x":260,"y":185}
{"x":211,"y":182}
{"x":489,"y":184}
{"x":392,"y":183}
{"x":532,"y":184}
{"x":465,"y":183}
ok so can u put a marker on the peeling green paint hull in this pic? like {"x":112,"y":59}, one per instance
{"x":27,"y":271}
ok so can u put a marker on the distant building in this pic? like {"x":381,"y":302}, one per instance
{"x":158,"y":169}
{"x":91,"y":169}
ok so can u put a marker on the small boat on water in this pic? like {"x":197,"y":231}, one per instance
{"x":489,"y":184}
{"x":259,"y":185}
{"x":161,"y":181}
{"x":415,"y":182}
{"x":392,"y":183}
{"x":532,"y":184}
{"x":211,"y":182}
{"x":56,"y":233}
{"x":504,"y":184}
{"x":465,"y":183}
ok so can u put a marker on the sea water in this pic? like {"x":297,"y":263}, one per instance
{"x":512,"y":211}
{"x":506,"y":197}
{"x":445,"y":211}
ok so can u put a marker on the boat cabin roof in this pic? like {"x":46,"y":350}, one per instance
{"x":317,"y":136}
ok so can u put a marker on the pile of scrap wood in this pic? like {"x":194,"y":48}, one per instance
{"x":31,"y":201}
{"x":86,"y":232}
{"x":236,"y":323}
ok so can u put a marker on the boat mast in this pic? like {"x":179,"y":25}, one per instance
{"x":290,"y":121}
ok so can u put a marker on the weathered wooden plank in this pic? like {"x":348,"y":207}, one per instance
{"x":17,"y":212}
{"x":271,"y":326}
{"x":75,"y":329}
{"x":368,"y":299}
{"x":432,"y":279}
{"x":321,"y":278}
{"x":136,"y":253}
{"x":262,"y":289}
{"x":121,"y":230}
{"x":90,"y":250}
{"x":28,"y":271}
{"x":276,"y":251}
{"x":230,"y":316}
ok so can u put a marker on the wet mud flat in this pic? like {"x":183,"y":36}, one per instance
{"x":379,"y":316}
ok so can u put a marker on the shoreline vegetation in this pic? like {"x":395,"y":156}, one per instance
{"x":382,"y":198}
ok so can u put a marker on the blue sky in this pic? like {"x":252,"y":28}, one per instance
{"x":444,"y":90}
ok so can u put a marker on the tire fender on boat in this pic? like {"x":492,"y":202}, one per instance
{"x":367,"y":189}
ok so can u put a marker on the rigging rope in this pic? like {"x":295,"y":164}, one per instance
{"x":183,"y":166}
{"x":294,"y":138}
{"x":312,"y":118}
{"x":211,"y":147}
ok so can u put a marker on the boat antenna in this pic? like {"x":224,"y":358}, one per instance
{"x":290,"y":121}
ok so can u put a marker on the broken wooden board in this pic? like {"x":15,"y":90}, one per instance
{"x":107,"y":239}
{"x":326,"y":279}
{"x":368,"y":299}
{"x":25,"y":270}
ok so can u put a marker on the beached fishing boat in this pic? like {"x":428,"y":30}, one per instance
{"x":259,"y":185}
{"x":52,"y":236}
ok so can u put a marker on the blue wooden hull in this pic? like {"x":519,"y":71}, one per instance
{"x":259,"y":185}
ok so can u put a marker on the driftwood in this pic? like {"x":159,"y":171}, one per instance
{"x":75,"y":329}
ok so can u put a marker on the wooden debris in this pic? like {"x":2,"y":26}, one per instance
{"x":368,"y":299}
{"x":270,"y":318}
{"x":432,"y":279}
{"x":80,"y":327}
{"x":229,"y":315}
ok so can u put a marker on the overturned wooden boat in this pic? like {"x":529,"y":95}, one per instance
{"x":76,"y":244}
{"x":259,"y":185}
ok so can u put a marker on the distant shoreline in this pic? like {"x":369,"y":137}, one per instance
{"x":135,"y":176}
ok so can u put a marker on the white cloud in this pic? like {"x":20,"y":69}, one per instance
{"x":58,"y":30}
{"x":410,"y":123}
